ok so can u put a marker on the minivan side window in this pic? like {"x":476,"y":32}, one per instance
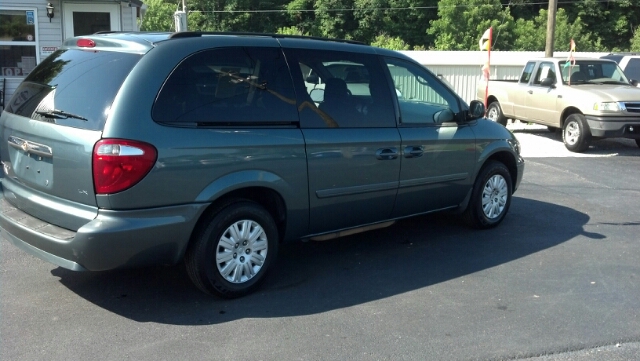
{"x":229,"y":86}
{"x":340,"y":89}
{"x":421,"y":95}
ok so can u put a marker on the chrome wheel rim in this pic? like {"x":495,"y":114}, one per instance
{"x":494,"y":196}
{"x":572,"y":133}
{"x":241,"y":251}
{"x":493,"y":114}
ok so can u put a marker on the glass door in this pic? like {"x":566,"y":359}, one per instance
{"x":85,"y":19}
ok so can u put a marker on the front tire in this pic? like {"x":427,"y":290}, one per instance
{"x":576,"y":134}
{"x":494,"y":112}
{"x":490,"y":197}
{"x":232,"y":250}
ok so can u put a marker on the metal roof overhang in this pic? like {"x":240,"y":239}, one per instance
{"x":132,"y":3}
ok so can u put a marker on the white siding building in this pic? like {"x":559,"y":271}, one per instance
{"x":30,"y":30}
{"x":463,"y":69}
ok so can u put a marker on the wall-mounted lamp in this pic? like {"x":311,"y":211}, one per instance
{"x":49,"y":11}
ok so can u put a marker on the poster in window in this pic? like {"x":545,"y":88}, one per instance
{"x":31,"y":18}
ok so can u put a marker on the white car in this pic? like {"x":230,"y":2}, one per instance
{"x":629,"y":63}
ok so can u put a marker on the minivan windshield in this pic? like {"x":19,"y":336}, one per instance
{"x":73,"y":87}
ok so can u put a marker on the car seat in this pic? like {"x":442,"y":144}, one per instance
{"x":337,"y":103}
{"x":578,"y":77}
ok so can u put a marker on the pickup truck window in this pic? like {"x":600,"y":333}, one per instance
{"x":545,"y":70}
{"x":592,"y":72}
{"x":526,"y":73}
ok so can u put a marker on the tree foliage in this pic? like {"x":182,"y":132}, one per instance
{"x":459,"y":27}
{"x":635,"y":41}
{"x":388,"y":42}
{"x":594,"y":25}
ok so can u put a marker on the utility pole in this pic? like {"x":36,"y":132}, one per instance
{"x":180,"y":18}
{"x":551,"y":28}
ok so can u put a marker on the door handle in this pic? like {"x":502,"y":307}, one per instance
{"x":530,"y":91}
{"x":413,"y":151}
{"x":387,"y":153}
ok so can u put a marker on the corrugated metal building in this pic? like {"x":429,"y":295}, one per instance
{"x":462,"y":69}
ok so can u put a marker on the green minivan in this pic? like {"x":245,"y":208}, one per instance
{"x":136,"y":149}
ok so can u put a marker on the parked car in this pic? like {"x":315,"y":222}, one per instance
{"x":629,"y":63}
{"x":589,"y":99}
{"x":135,"y":149}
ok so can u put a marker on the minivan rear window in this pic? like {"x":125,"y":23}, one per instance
{"x":73,"y":88}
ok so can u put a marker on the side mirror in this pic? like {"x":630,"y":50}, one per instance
{"x":548,"y":82}
{"x":317,"y":95}
{"x":444,"y":116}
{"x":476,"y":109}
{"x":633,"y":82}
{"x":313,"y":79}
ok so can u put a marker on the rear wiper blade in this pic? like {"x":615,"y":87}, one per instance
{"x":59,"y":114}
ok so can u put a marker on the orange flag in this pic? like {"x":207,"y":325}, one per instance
{"x":485,"y":44}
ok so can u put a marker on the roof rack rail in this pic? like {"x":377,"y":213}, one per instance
{"x":109,"y":32}
{"x":195,"y":34}
{"x":624,"y":53}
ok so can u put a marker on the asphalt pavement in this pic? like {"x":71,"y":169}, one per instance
{"x":559,"y":279}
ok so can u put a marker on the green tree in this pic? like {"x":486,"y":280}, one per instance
{"x":609,"y":23}
{"x":291,"y":30}
{"x":635,"y":41}
{"x":388,"y":42}
{"x":301,"y":16}
{"x":461,"y":23}
{"x":334,"y":18}
{"x":370,"y":16}
{"x":159,"y":16}
{"x":530,"y":35}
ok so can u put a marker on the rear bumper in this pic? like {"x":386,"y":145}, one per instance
{"x":114,"y":239}
{"x":614,"y":127}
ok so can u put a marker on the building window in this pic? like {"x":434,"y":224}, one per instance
{"x":18,"y":41}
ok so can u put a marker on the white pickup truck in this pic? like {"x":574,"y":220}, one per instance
{"x":589,"y":99}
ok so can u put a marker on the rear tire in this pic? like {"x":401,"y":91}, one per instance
{"x":232,"y":250}
{"x":490,"y":197}
{"x":576,"y":134}
{"x":494,"y":112}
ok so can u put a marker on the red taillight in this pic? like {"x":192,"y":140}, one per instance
{"x":86,"y":43}
{"x":119,"y":164}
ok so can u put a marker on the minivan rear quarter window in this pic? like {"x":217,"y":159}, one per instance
{"x":229,"y":86}
{"x":81,"y":84}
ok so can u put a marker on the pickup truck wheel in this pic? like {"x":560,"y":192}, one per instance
{"x":490,"y":197}
{"x":576,"y":134}
{"x":232,"y":250}
{"x":494,"y":112}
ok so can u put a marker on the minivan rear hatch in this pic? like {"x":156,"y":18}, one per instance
{"x":49,"y":129}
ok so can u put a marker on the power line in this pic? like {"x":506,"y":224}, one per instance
{"x":387,"y":8}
